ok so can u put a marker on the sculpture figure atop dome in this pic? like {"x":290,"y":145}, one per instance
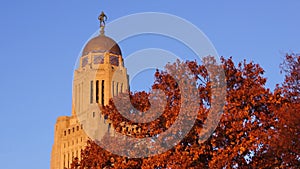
{"x":102,"y":43}
{"x":102,"y":18}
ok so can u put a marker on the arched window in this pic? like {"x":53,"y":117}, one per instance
{"x":114,"y":60}
{"x":98,"y":59}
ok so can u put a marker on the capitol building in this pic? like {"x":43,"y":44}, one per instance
{"x":99,"y":76}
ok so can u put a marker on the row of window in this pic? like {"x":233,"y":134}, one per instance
{"x":117,"y":88}
{"x":69,"y":157}
{"x":131,"y":130}
{"x":99,"y":87}
{"x":72,"y":143}
{"x":72,"y":130}
{"x":99,"y":59}
{"x":97,"y":91}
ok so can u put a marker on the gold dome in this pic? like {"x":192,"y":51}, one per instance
{"x":103,"y":44}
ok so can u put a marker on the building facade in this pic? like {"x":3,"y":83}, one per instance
{"x":100,"y":76}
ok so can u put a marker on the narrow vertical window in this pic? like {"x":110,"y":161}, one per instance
{"x":65,"y":160}
{"x":68,"y":160}
{"x":117,"y":89}
{"x":91,"y":94}
{"x":113,"y":88}
{"x":109,"y":125}
{"x":102,"y":94}
{"x":97,"y":91}
{"x":105,"y":118}
{"x":121,"y":87}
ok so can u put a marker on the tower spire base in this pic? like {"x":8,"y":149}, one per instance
{"x":101,"y":30}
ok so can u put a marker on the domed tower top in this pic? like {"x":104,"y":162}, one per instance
{"x":102,"y":43}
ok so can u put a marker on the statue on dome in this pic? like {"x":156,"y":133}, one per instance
{"x":102,"y":18}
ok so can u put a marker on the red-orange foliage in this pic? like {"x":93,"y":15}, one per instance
{"x":284,"y":150}
{"x":258,"y":128}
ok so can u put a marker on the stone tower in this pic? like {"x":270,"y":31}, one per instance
{"x":100,"y":76}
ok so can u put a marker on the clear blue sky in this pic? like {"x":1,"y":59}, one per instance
{"x":40,"y":41}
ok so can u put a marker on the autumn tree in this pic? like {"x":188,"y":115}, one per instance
{"x":284,"y":152}
{"x":251,"y":122}
{"x":290,"y":88}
